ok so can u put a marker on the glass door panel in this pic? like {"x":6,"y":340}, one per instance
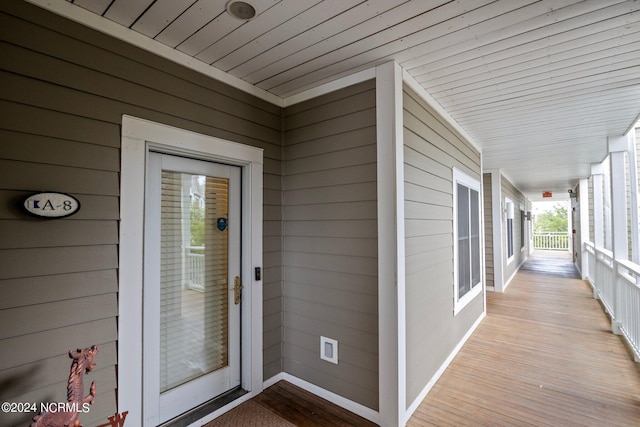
{"x":194,"y":266}
{"x":192,"y":257}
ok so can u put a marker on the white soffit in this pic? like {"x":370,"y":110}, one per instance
{"x":535,"y":83}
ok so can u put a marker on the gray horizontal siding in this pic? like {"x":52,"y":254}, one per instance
{"x":431,"y":149}
{"x":35,"y":262}
{"x":64,"y":89}
{"x":330,"y":241}
{"x":47,"y":369}
{"x":29,"y":291}
{"x":73,"y":180}
{"x":58,"y":151}
{"x":20,"y":234}
{"x":44,"y":372}
{"x":272,"y":266}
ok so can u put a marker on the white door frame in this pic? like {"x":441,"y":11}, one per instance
{"x":138,"y":137}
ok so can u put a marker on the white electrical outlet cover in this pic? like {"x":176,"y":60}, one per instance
{"x":329,"y":350}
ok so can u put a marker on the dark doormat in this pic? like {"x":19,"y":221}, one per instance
{"x":249,"y":414}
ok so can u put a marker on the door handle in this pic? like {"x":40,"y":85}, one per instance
{"x":237,"y":290}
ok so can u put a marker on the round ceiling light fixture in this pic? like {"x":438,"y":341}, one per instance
{"x":241,"y":10}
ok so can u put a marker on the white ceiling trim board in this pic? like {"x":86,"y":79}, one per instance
{"x":89,"y":19}
{"x":330,"y":87}
{"x":634,"y":124}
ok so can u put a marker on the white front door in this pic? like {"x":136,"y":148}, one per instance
{"x":191,"y":305}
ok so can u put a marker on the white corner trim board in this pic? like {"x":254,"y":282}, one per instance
{"x":391,"y":268}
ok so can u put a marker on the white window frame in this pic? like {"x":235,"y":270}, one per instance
{"x":462,"y":178}
{"x":523,"y":228}
{"x":507,"y":203}
{"x":138,"y":137}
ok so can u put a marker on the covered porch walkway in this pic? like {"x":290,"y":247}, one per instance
{"x":544,"y":356}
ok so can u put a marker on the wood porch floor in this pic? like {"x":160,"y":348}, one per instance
{"x":544,"y":356}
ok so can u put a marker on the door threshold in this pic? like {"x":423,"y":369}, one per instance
{"x":205,"y":409}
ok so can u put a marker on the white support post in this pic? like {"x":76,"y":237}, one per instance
{"x":633,"y":183}
{"x":617,"y":148}
{"x":583,"y":191}
{"x":598,"y":214}
{"x":597,"y":173}
{"x":498,"y":240}
{"x":570,"y":228}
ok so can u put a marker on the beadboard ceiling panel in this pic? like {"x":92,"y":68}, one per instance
{"x":539,"y":85}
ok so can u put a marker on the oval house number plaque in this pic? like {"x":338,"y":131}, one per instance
{"x":51,"y":205}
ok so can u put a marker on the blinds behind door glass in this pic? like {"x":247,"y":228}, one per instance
{"x":194,"y":273}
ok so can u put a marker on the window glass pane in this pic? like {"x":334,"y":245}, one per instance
{"x":463,"y":212}
{"x":510,"y":237}
{"x":464,"y":279}
{"x":194,"y":297}
{"x":522,"y":225}
{"x":474,"y":219}
{"x":464,"y":252}
{"x":474,"y":213}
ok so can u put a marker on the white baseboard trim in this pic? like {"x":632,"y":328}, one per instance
{"x":343,"y":402}
{"x":414,"y":405}
{"x":271,"y":381}
{"x":508,"y":282}
{"x":578,"y":268}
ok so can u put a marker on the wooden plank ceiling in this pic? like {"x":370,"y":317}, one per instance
{"x":539,"y":85}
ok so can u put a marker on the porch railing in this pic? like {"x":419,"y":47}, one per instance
{"x":616,"y":284}
{"x":194,"y":260}
{"x":553,"y":241}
